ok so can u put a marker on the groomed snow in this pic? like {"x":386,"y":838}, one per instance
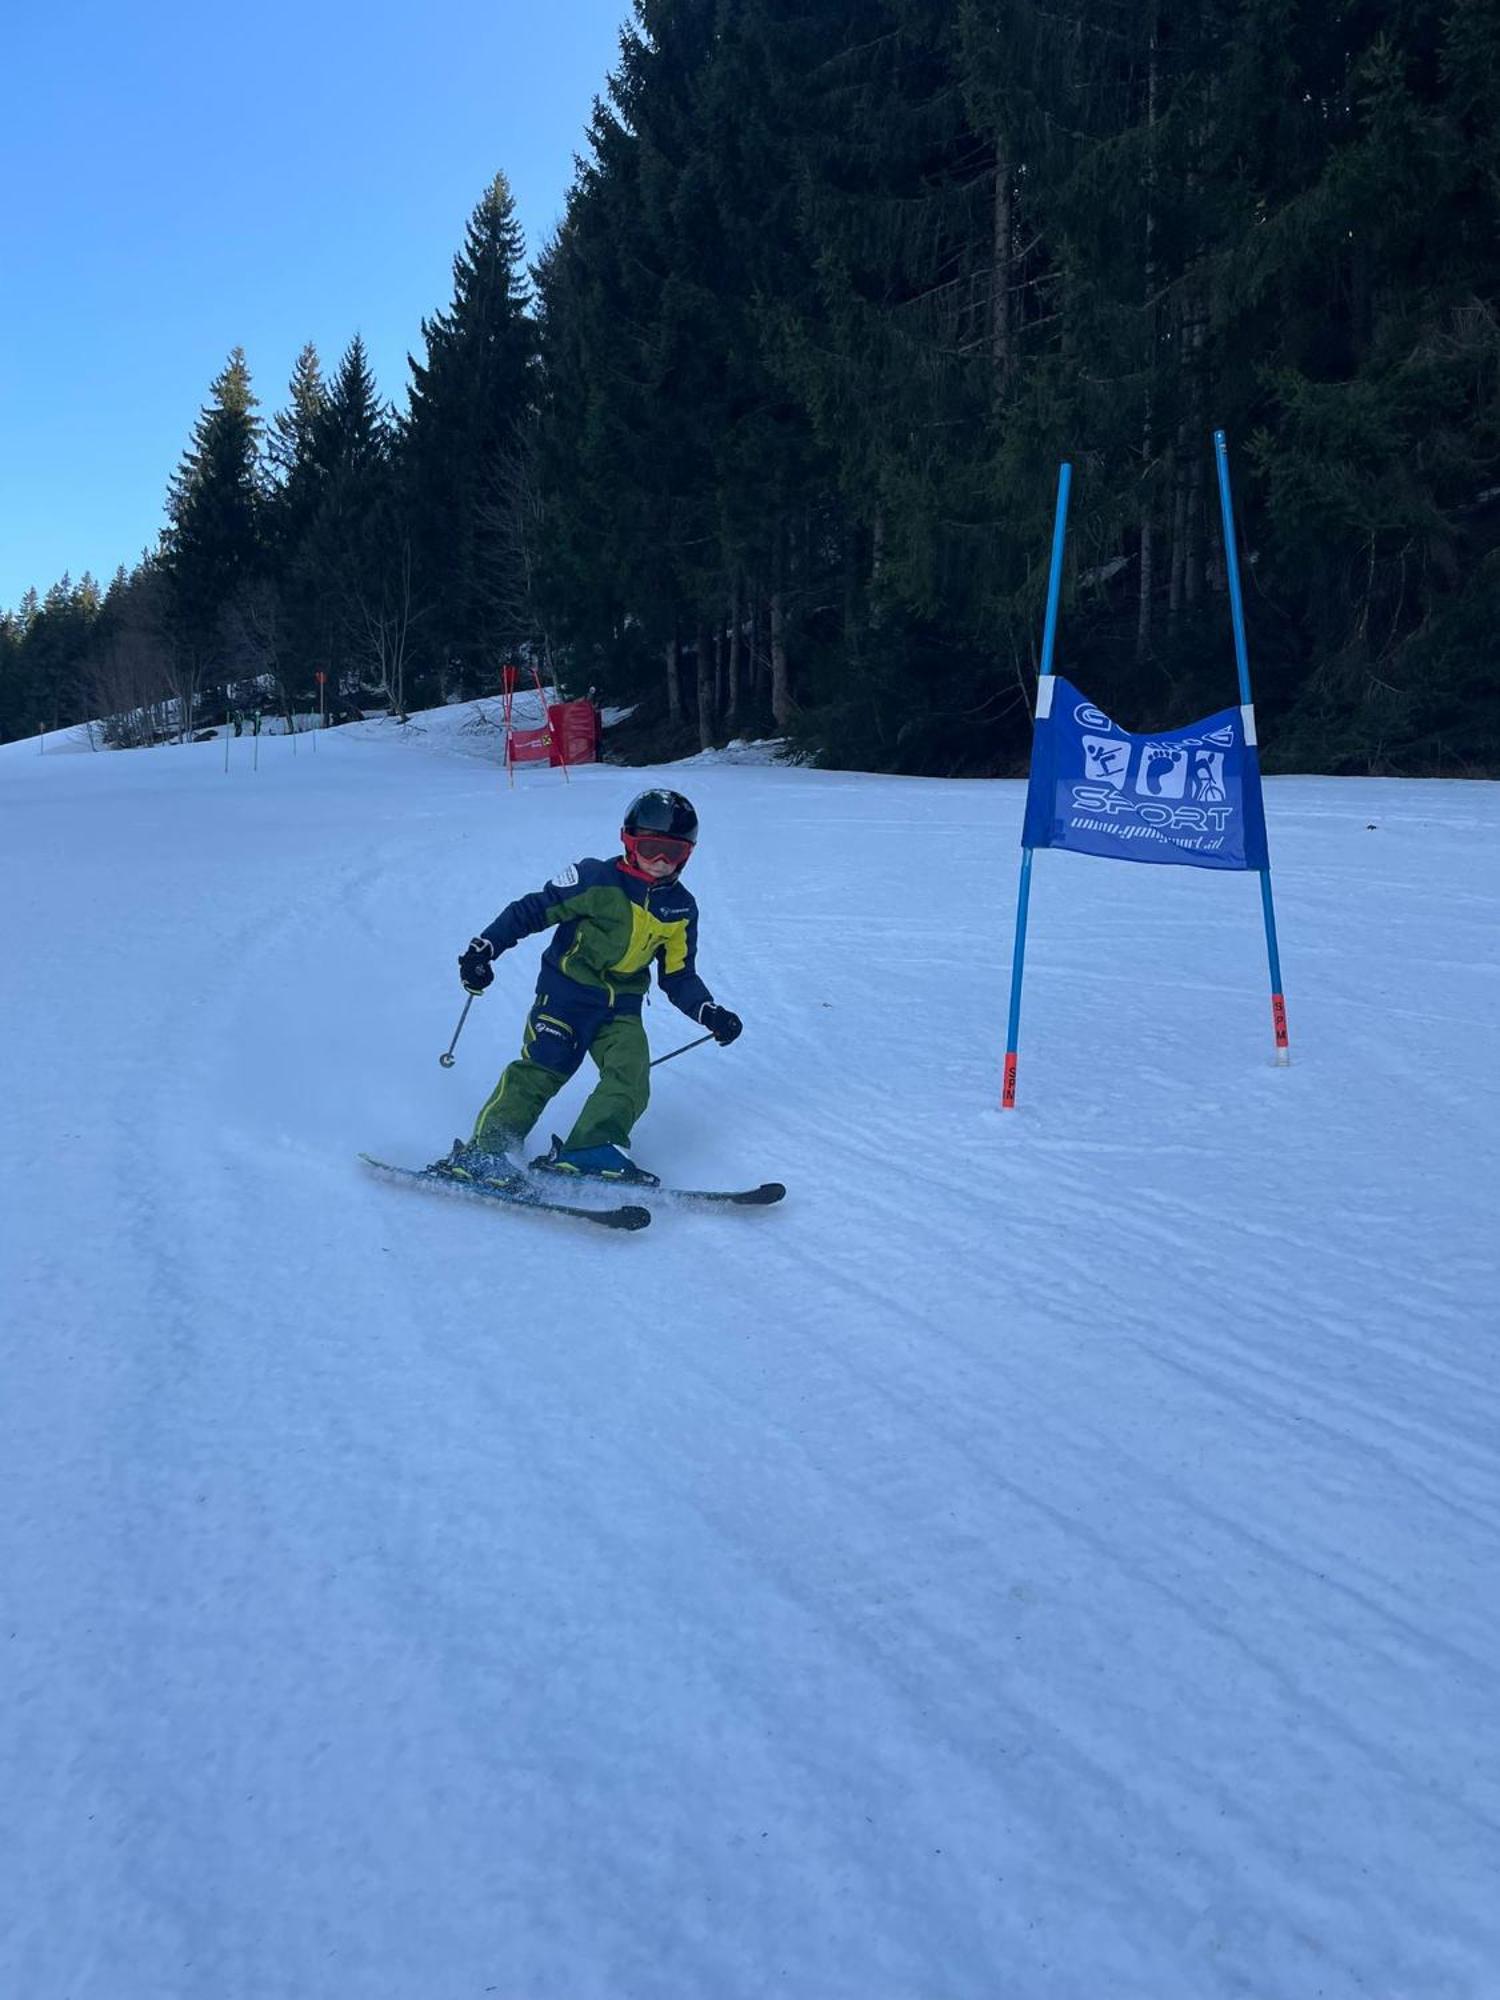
{"x":1056,"y":1555}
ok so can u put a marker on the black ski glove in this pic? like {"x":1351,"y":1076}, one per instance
{"x":720,"y":1023}
{"x":474,"y":967}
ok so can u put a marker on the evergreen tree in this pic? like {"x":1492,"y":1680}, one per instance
{"x":880,"y":323}
{"x":44,"y":655}
{"x":462,"y":451}
{"x":126,"y":670}
{"x":289,"y":440}
{"x":20,"y":704}
{"x":291,"y":507}
{"x":1381,"y":433}
{"x":212,"y":546}
{"x":672,"y":457}
{"x":641,"y":236}
{"x":349,"y":557}
{"x":608,"y":545}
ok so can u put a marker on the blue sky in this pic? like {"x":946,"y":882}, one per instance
{"x":176,"y":180}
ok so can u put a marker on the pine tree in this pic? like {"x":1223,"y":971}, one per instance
{"x":892,"y":355}
{"x":15,"y":705}
{"x":350,"y":557}
{"x":212,"y":546}
{"x":52,"y":639}
{"x":672,"y":456}
{"x":292,"y":503}
{"x":610,"y":575}
{"x":462,"y":447}
{"x":289,"y":441}
{"x":1373,"y":273}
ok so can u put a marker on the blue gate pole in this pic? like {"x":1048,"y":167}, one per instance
{"x":1247,"y":710}
{"x":1043,"y":705}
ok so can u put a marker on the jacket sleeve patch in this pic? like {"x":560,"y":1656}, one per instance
{"x":566,"y":878}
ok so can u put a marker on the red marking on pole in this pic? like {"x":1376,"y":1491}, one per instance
{"x":1008,"y":1093}
{"x":1278,"y":1020}
{"x":507,"y":697}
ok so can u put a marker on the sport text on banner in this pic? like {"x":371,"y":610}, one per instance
{"x":1189,"y":797}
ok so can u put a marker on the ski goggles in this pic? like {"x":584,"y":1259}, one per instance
{"x":661,"y":847}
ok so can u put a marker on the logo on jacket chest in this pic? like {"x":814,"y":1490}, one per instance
{"x":650,"y":932}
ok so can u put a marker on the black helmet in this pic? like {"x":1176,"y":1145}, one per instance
{"x":660,"y":827}
{"x":662,"y":812}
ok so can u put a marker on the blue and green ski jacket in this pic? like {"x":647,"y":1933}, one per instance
{"x":610,"y":928}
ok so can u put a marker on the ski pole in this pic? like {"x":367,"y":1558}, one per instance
{"x":675,"y":1052}
{"x":447,"y":1058}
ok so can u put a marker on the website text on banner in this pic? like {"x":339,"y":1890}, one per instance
{"x":1185,"y":796}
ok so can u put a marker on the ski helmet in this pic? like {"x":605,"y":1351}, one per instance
{"x":660,"y":825}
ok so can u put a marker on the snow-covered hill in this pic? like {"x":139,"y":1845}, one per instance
{"x":1052,"y":1556}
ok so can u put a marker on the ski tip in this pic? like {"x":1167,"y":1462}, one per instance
{"x":756,"y":1197}
{"x":629,"y":1217}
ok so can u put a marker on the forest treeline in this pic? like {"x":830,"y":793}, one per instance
{"x":767,"y":436}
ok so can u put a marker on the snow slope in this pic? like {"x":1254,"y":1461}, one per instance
{"x":1054,"y":1555}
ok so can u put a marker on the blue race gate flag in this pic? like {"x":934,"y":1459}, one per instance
{"x":1190,"y":796}
{"x":1186,"y":796}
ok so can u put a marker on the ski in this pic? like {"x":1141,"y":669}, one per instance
{"x":756,"y":1197}
{"x":519,"y":1193}
{"x":543,"y":1168}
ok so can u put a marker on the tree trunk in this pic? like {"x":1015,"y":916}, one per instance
{"x":781,"y":694}
{"x":1148,"y":580}
{"x":1179,"y":526}
{"x":674,"y":681}
{"x":877,"y":566}
{"x":1148,"y":429}
{"x":736,"y":648}
{"x":757,"y":651}
{"x":1191,"y":559}
{"x":1193,"y":339}
{"x":851,"y":580}
{"x":1000,"y":345}
{"x":1195,"y":332}
{"x":705,"y":661}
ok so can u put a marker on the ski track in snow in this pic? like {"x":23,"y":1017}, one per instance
{"x":1052,"y":1555}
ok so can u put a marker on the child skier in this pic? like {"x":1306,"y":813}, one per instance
{"x":612,"y":920}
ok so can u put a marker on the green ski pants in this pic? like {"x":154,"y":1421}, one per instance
{"x":560,"y":1032}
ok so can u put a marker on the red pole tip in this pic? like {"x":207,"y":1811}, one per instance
{"x":1008,"y":1092}
{"x":1278,"y":1020}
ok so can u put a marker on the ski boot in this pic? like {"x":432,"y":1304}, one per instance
{"x":594,"y":1163}
{"x":471,"y":1163}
